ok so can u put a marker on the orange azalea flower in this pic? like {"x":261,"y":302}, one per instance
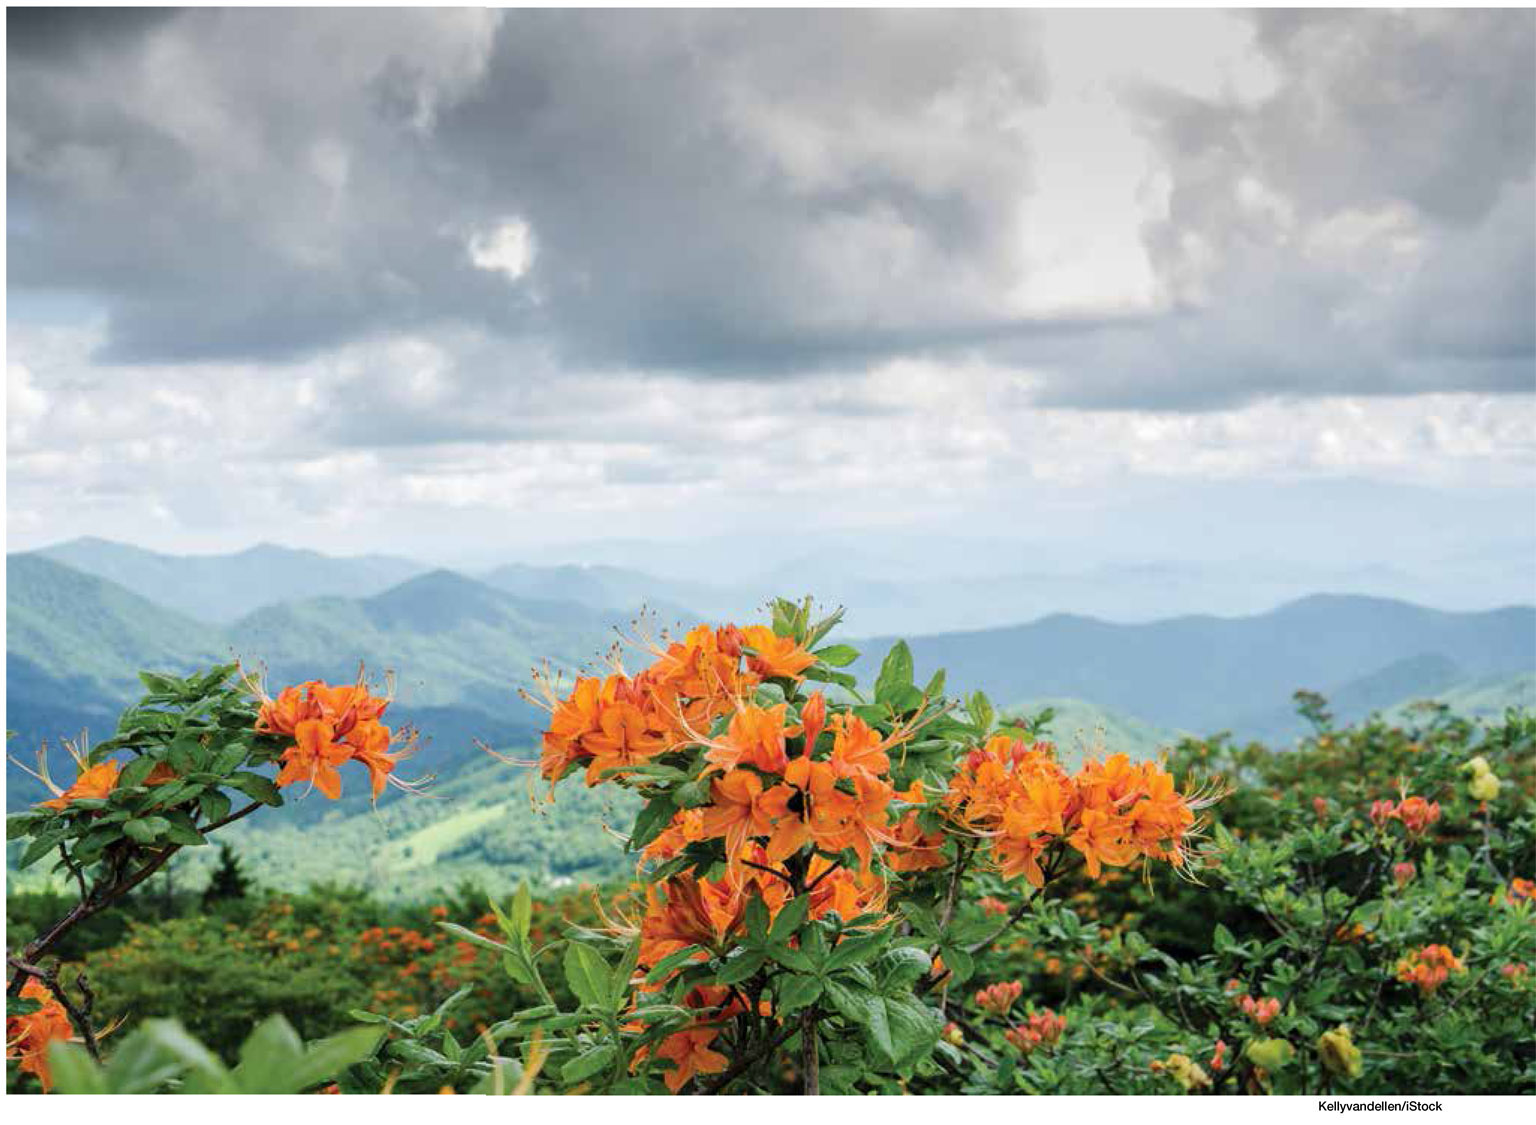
{"x":1043,"y":1029}
{"x":1101,"y":838}
{"x":913,"y":849}
{"x":812,"y":808}
{"x":688,"y":1050}
{"x":626,"y":737}
{"x":775,"y":656}
{"x":1429,"y":968}
{"x":740,"y":811}
{"x":162,"y":774}
{"x":849,"y":893}
{"x":283,"y":714}
{"x":755,"y":737}
{"x":370,"y":742}
{"x":686,"y":827}
{"x":857,"y":748}
{"x":314,"y":758}
{"x":693,"y":912}
{"x":998,"y":998}
{"x":93,"y":783}
{"x":1417,"y":814}
{"x":28,"y":1037}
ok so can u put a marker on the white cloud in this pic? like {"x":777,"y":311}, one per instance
{"x":508,"y":248}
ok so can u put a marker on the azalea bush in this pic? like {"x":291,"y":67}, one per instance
{"x":167,"y":779}
{"x":801,"y":852}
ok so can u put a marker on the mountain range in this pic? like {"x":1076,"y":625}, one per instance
{"x":83,"y":617}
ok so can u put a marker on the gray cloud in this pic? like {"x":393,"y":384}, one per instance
{"x":761,"y":195}
{"x":1369,"y":227}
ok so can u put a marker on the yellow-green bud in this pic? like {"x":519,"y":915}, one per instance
{"x":1483,"y":786}
{"x":1271,"y":1054}
{"x":1339,"y":1053}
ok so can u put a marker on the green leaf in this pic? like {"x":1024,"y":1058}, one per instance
{"x":146,"y":830}
{"x":792,"y":958}
{"x":740,"y":965}
{"x":625,"y":969}
{"x":895,"y":673}
{"x":325,"y":1060}
{"x":756,"y":918}
{"x":857,"y":949}
{"x":256,"y":787}
{"x":796,"y":992}
{"x":135,"y":772}
{"x":901,"y":968}
{"x":589,"y":1063}
{"x":672,"y":962}
{"x":522,"y":910}
{"x":837,"y":656}
{"x":935,"y":688}
{"x":72,"y":1070}
{"x":587,"y":974}
{"x":651,"y":821}
{"x":790,"y":918}
{"x":215,"y":805}
{"x":473,"y":938}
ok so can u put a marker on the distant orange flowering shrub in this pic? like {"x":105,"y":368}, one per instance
{"x":1042,"y":1029}
{"x":1429,"y":967}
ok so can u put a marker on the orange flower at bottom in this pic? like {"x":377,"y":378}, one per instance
{"x":689,"y":1052}
{"x":28,"y":1037}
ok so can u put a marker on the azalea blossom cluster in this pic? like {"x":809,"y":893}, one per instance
{"x":710,"y":913}
{"x":1261,"y":1011}
{"x":998,"y":998}
{"x":331,"y":725}
{"x":1015,"y":795}
{"x":614,"y":723}
{"x":1042,"y":1029}
{"x":28,"y":1037}
{"x":1414,"y":813}
{"x":1429,"y":968}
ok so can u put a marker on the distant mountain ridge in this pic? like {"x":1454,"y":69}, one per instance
{"x":461,"y":650}
{"x":1207,"y":673}
{"x":223,"y":588}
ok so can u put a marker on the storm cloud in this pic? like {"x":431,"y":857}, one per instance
{"x":771,"y":194}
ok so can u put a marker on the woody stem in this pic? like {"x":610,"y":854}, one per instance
{"x":810,"y":1056}
{"x":79,"y":1018}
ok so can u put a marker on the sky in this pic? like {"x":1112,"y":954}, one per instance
{"x":927,"y":292}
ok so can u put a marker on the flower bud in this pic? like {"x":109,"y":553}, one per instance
{"x":1270,"y":1054}
{"x":1339,"y":1053}
{"x":813,"y":717}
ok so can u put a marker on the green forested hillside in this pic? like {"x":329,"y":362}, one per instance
{"x":460,"y":648}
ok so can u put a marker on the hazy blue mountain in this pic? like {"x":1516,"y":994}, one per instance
{"x":460,"y":650}
{"x":616,"y":588}
{"x":224,"y":588}
{"x":1208,"y":673}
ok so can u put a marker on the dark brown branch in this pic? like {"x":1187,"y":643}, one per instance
{"x":81,"y":1020}
{"x":747,"y":1061}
